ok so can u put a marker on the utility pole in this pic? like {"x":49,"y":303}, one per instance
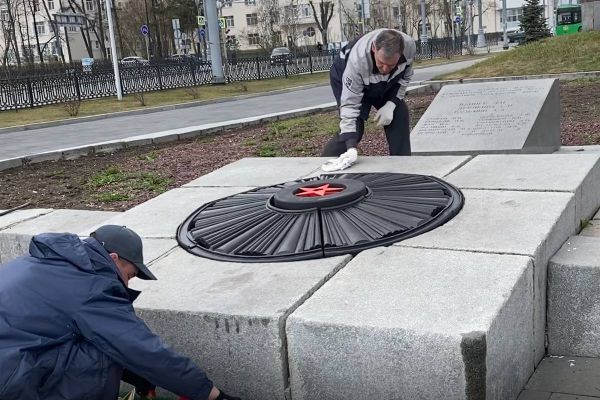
{"x":505,"y":36}
{"x":423,"y":24}
{"x":480,"y":35}
{"x":214,"y":41}
{"x":113,"y":49}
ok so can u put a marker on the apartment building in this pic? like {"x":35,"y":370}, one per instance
{"x":52,"y":28}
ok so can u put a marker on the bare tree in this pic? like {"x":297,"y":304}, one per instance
{"x":268,"y":24}
{"x":289,"y":21}
{"x":323,"y":17}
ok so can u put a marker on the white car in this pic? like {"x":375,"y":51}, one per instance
{"x":134,"y":60}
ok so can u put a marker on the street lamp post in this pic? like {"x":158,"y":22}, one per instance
{"x":214,"y":41}
{"x":480,"y":35}
{"x":505,"y":36}
{"x":423,"y":24}
{"x":113,"y":49}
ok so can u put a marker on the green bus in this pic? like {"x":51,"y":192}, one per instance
{"x":568,"y":19}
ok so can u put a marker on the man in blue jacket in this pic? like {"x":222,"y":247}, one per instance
{"x":68,"y":329}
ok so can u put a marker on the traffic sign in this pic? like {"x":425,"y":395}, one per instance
{"x":222,"y":23}
{"x":144,"y":30}
{"x":202,"y":32}
{"x":201,"y":20}
{"x":457,"y":19}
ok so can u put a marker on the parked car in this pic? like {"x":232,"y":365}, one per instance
{"x":134,"y":60}
{"x":281,"y":55}
{"x":517,"y":36}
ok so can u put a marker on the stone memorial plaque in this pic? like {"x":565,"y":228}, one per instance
{"x":495,"y":117}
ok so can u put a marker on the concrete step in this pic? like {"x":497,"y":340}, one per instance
{"x":574,"y":298}
{"x":17,"y":228}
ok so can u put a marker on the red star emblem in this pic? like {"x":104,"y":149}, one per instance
{"x":323,"y":190}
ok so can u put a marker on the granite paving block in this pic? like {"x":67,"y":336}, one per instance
{"x":14,"y":240}
{"x":591,"y":228}
{"x":574,"y":298}
{"x":572,"y":375}
{"x":439,"y":166}
{"x":578,"y":173}
{"x":403,"y":323}
{"x":17,"y":216}
{"x":562,"y":396}
{"x":534,"y":395}
{"x":230,"y":317}
{"x":160,"y":216}
{"x":535,"y":224}
{"x":263,"y":171}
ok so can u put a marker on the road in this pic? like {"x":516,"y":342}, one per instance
{"x":36,"y":141}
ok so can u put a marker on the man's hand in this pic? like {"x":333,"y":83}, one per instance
{"x":385,"y":114}
{"x":342,"y":162}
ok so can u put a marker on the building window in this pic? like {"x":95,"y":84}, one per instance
{"x":50,"y":4}
{"x":4,"y":16}
{"x":310,"y":31}
{"x":274,"y":17}
{"x":513,"y":15}
{"x":251,"y":19}
{"x":396,"y":11}
{"x":305,"y":11}
{"x":250,"y":2}
{"x":229,"y":23}
{"x":253,"y":39}
{"x":36,"y":5}
{"x":89,"y":5}
{"x":40,"y":27}
{"x":72,"y":28}
{"x":97,"y":44}
{"x":291,"y":12}
{"x":228,"y":3}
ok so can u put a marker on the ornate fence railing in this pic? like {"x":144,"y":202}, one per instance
{"x":74,"y":84}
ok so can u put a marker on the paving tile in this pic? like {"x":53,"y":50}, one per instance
{"x":572,"y":375}
{"x":534,"y":395}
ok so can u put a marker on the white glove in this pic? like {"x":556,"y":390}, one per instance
{"x":342,"y":162}
{"x":385,"y":114}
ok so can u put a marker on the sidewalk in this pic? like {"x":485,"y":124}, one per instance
{"x":178,"y":121}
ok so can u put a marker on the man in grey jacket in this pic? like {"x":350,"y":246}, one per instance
{"x":373,"y":71}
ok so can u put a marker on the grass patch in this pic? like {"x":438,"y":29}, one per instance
{"x":305,"y":127}
{"x":106,"y":177}
{"x":111,"y":197}
{"x":151,"y":181}
{"x":570,"y":53}
{"x":267,"y":151}
{"x":150,"y":157}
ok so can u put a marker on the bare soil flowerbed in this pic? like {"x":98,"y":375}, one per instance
{"x":129,"y":177}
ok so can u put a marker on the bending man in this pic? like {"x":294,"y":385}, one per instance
{"x":373,"y":71}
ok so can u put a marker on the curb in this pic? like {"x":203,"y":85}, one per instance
{"x":159,"y":137}
{"x":148,"y":110}
{"x":72,"y":153}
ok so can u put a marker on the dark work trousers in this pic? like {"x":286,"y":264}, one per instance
{"x":116,"y":374}
{"x":397,"y":132}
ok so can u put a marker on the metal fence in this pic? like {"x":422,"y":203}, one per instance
{"x":73,"y":84}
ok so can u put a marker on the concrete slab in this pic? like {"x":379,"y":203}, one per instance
{"x":578,"y":173}
{"x":573,"y":375}
{"x":14,"y":240}
{"x":15,"y":217}
{"x":229,"y":317}
{"x":160,"y":216}
{"x":534,"y":395}
{"x":574,"y":299}
{"x":591,"y":228}
{"x":561,"y":396}
{"x":439,"y":166}
{"x":416,"y":324}
{"x":510,"y":222}
{"x":597,"y":215}
{"x":260,"y":171}
{"x":576,"y":149}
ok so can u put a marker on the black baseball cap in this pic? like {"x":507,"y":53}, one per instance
{"x":126,"y":243}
